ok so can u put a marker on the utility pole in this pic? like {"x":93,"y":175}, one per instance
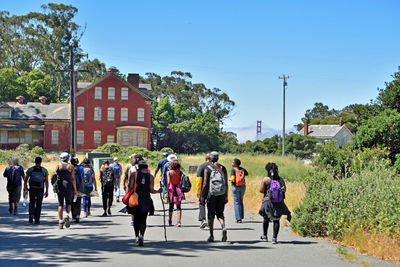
{"x":72,"y":73}
{"x":284,"y":78}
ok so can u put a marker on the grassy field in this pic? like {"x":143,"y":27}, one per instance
{"x":292,"y":170}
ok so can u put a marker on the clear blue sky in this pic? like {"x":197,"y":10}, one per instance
{"x":336,"y":52}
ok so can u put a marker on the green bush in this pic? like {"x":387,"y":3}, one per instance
{"x":367,"y":200}
{"x":26,"y":157}
{"x":109,"y":148}
{"x":38,"y":151}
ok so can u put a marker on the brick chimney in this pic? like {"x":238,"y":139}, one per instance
{"x":43,"y":100}
{"x":305,"y":127}
{"x":20,"y":99}
{"x":133,"y":78}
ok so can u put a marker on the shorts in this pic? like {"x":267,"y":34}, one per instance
{"x":66,"y":193}
{"x":14,"y":194}
{"x":216,"y":206}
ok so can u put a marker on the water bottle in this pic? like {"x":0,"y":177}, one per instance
{"x":25,"y":200}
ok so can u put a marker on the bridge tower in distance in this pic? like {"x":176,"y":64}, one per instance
{"x":258,"y":129}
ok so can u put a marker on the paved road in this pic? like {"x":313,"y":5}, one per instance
{"x":108,"y":241}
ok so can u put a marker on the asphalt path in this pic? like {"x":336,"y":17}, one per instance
{"x":108,"y":241}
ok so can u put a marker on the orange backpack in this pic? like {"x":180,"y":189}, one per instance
{"x":239,"y":175}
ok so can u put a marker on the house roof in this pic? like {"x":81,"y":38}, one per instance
{"x":38,"y":111}
{"x":84,"y":86}
{"x":324,"y":131}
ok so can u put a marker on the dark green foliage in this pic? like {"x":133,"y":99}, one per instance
{"x":389,"y":97}
{"x":382,"y":130}
{"x":302,"y":147}
{"x":24,"y":154}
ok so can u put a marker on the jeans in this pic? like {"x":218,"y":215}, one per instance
{"x":35,"y":203}
{"x":86,"y":201}
{"x":238,"y":194}
{"x":118,"y":193}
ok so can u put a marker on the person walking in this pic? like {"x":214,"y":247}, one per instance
{"x":14,"y":174}
{"x":126,"y":171}
{"x":117,"y":174}
{"x":38,"y":179}
{"x":199,"y":185}
{"x":174,"y":190}
{"x":143,"y":182}
{"x":77,"y":203}
{"x":108,"y":185}
{"x":215,"y":192}
{"x":161,"y":163}
{"x":272,"y":208}
{"x":88,"y":182}
{"x":238,"y":181}
{"x":66,"y":189}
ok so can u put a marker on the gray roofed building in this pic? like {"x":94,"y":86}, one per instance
{"x":38,"y":111}
{"x":325,"y":133}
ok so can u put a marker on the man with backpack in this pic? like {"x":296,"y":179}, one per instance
{"x":238,"y":181}
{"x":160,"y":164}
{"x":108,"y":184}
{"x":76,"y":205}
{"x":199,"y":186}
{"x":88,"y":182}
{"x":215,"y":192}
{"x":118,"y":174}
{"x":66,"y":188}
{"x":14,"y":173}
{"x":37,"y":177}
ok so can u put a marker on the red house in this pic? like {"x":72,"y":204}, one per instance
{"x":113,"y":110}
{"x":110,"y":110}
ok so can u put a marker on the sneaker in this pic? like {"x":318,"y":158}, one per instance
{"x":274,"y":240}
{"x":77,"y":220}
{"x":178,"y":224}
{"x":86,"y":214}
{"x":109,"y":211}
{"x":30,"y":219}
{"x":203,"y":224}
{"x":117,"y":199}
{"x":10,"y":210}
{"x":170,"y":222}
{"x":210,"y":239}
{"x":224,"y":235}
{"x":104,"y":214}
{"x":140,"y":241}
{"x":60,"y":225}
{"x":238,"y":221}
{"x":264,"y":238}
{"x":67,"y":222}
{"x":15,"y":211}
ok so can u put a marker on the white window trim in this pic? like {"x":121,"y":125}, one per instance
{"x":53,"y":136}
{"x":80,"y":113}
{"x":80,"y":137}
{"x":108,"y":114}
{"x":98,"y":91}
{"x":111,"y":93}
{"x":95,"y":133}
{"x":99,"y":118}
{"x":124,"y":114}
{"x":124,"y":96}
{"x":140,"y":111}
{"x":109,"y":137}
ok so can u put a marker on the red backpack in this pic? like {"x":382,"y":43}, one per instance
{"x":239,"y":177}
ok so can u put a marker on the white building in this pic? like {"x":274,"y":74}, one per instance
{"x":325,"y":133}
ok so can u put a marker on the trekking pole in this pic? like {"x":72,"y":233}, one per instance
{"x":165,"y":228}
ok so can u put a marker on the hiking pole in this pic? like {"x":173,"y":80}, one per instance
{"x":162,"y":202}
{"x":165,"y":228}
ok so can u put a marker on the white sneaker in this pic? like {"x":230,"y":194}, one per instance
{"x":203,"y":224}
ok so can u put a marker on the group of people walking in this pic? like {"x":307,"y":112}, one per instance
{"x":75,"y":184}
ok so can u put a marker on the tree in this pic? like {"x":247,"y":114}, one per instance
{"x":40,"y":40}
{"x":196,"y":96}
{"x":382,"y":130}
{"x":300,"y":146}
{"x":95,"y":70}
{"x":390,"y":96}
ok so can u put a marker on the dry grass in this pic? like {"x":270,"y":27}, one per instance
{"x":378,"y":245}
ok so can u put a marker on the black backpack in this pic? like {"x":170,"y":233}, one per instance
{"x":107,"y":178}
{"x":89,"y":176}
{"x":13,"y":176}
{"x":37,"y":178}
{"x":186,"y":185}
